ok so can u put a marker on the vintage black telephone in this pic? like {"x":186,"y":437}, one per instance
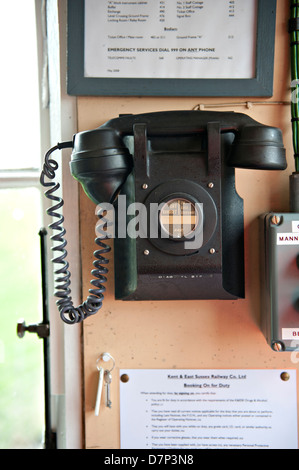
{"x":177,"y":165}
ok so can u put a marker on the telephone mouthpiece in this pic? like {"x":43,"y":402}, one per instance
{"x":101,"y":163}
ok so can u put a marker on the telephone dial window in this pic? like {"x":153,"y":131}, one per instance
{"x":178,"y":218}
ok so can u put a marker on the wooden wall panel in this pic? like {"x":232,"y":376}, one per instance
{"x":186,"y":334}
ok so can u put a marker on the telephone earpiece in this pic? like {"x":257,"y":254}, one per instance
{"x":258,"y":147}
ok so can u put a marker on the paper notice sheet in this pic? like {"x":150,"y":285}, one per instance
{"x":170,"y":39}
{"x":194,"y":409}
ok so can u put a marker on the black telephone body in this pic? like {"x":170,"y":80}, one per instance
{"x":163,"y":160}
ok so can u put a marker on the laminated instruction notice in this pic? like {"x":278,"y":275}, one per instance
{"x":196,"y":409}
{"x":170,"y":39}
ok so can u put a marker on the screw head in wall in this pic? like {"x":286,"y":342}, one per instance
{"x":284,"y":376}
{"x":124,"y":378}
{"x":275,"y":219}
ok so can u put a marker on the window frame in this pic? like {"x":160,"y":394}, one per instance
{"x":58,"y":123}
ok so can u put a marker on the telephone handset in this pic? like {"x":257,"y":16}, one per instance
{"x":177,"y":169}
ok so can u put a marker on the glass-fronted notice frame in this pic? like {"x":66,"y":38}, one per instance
{"x":171,"y":48}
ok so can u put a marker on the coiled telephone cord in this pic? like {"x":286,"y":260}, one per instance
{"x":68,"y":313}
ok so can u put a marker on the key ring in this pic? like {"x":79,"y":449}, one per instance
{"x":106,"y":357}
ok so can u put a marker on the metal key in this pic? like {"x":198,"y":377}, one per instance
{"x":107,"y":379}
{"x":99,"y":392}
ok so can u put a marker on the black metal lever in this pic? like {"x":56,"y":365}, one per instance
{"x":41,"y":329}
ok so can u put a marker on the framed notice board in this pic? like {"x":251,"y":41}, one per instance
{"x":171,"y":48}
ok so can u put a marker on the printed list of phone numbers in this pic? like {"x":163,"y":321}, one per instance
{"x":166,"y":39}
{"x":117,"y":11}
